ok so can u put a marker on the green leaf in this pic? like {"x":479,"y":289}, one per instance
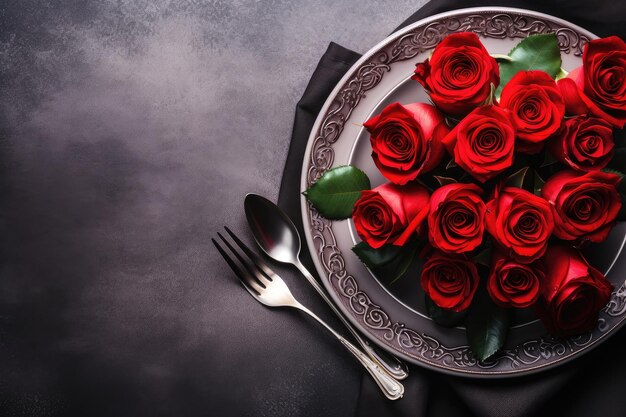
{"x":451,"y":122}
{"x":516,"y":179}
{"x":451,"y":164}
{"x":443,"y":316}
{"x":548,"y":160}
{"x":335,"y":193}
{"x":561,"y":74}
{"x":402,"y":263}
{"x":445,"y":180}
{"x":483,"y":257}
{"x":375,"y":258}
{"x":486,"y":326}
{"x":537,"y":183}
{"x":536,"y":52}
{"x":389,"y":261}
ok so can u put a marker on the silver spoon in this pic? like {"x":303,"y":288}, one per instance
{"x":276,"y":234}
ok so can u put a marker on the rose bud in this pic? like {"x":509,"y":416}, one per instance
{"x":483,"y":142}
{"x":585,"y":206}
{"x":449,"y":281}
{"x":512,"y":284}
{"x":599,"y":86}
{"x":573,"y":292}
{"x":585,"y":144}
{"x":459,"y":74}
{"x":536,"y":107}
{"x":406,"y":140}
{"x":390,"y":214}
{"x":520,"y":223}
{"x":456,"y":218}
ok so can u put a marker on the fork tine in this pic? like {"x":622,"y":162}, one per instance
{"x":262,"y":271}
{"x":258,"y":261}
{"x":253,"y":273}
{"x":244,"y":276}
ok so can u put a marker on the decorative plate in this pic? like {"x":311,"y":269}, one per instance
{"x":393,"y":315}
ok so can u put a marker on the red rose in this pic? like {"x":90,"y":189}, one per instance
{"x":599,"y":86}
{"x":536,"y":107}
{"x":585,"y":144}
{"x":520,"y":223}
{"x":390,"y":214}
{"x":459,"y":74}
{"x":456,"y":218}
{"x":585,"y":206}
{"x":483,"y":142}
{"x":450,"y":282}
{"x":512,"y":284}
{"x":573,"y":293}
{"x":406,"y":140}
{"x":572,"y":95}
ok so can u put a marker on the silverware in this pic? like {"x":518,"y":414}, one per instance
{"x":276,"y":234}
{"x":269,"y":289}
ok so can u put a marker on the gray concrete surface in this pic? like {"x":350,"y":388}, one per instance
{"x":129,"y":133}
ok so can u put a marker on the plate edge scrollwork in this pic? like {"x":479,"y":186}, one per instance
{"x":416,"y":344}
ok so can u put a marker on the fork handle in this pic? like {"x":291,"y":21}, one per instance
{"x":392,"y":365}
{"x":391,"y":388}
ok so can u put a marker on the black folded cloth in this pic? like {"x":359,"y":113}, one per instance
{"x":591,"y":385}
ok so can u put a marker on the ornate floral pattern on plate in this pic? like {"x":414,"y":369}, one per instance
{"x":413,"y":344}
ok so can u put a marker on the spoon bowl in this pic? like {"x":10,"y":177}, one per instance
{"x":278,"y":237}
{"x":274,"y":232}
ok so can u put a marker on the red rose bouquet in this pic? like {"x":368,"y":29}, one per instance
{"x":497,"y":185}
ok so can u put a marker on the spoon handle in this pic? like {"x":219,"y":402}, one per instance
{"x":391,"y":388}
{"x":390,"y":363}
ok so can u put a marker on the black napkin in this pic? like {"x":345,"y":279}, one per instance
{"x":593,"y":384}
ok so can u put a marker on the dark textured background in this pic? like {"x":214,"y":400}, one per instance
{"x":129,"y":133}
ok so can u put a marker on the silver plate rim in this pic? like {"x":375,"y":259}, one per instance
{"x":305,"y":208}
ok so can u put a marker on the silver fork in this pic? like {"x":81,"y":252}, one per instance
{"x":269,"y":289}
